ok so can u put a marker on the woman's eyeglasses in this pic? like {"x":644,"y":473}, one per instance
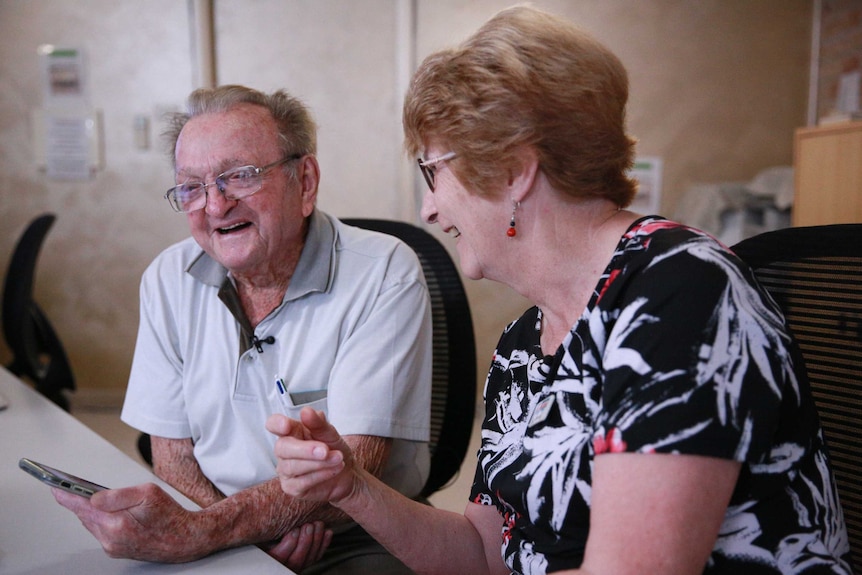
{"x":429,"y":167}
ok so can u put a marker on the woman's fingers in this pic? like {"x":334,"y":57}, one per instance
{"x":292,"y":449}
{"x":311,"y":464}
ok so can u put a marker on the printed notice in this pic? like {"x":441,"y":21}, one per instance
{"x":68,"y":140}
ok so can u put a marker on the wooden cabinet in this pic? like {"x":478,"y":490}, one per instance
{"x":828,"y":175}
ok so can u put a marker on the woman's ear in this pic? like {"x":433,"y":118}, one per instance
{"x":522,"y":173}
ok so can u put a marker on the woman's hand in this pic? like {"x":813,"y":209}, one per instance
{"x":314,"y":461}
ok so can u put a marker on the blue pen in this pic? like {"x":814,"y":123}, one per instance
{"x":279,"y":383}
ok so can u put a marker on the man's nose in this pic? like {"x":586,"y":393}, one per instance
{"x":217,"y":203}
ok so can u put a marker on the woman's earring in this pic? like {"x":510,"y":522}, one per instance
{"x":512,"y":232}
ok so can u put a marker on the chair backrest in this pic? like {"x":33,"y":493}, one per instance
{"x":37,"y":353}
{"x":453,"y":393}
{"x":815,"y":275}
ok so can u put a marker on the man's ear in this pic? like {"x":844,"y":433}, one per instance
{"x":522,"y":173}
{"x":308,"y":173}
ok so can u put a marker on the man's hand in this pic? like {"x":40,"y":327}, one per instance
{"x":141,"y":522}
{"x":301,"y":546}
{"x":314,"y":461}
{"x":145,"y":523}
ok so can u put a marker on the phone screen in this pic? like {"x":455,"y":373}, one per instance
{"x":61,"y":479}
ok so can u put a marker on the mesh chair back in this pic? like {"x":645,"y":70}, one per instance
{"x":815,"y":275}
{"x":453,"y":387}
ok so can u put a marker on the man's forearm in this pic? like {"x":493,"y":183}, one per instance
{"x":175,"y":464}
{"x":264,"y":512}
{"x":259,"y":514}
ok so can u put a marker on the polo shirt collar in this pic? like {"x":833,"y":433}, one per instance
{"x":315,"y":269}
{"x":313,"y":273}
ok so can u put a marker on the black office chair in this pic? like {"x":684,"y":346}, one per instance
{"x":453,"y":384}
{"x":815,"y":275}
{"x":37,"y":353}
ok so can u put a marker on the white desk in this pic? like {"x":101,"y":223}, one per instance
{"x":37,"y":535}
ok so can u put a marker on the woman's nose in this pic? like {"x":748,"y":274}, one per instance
{"x":429,"y":209}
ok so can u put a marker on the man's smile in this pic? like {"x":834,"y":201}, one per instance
{"x":233,"y":228}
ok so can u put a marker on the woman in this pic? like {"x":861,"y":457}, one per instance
{"x":646,"y":415}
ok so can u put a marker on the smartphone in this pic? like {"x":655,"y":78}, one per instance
{"x":61,"y":479}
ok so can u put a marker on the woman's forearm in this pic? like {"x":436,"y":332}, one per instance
{"x":426,"y":539}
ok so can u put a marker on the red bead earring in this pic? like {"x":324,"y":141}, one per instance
{"x":512,"y":232}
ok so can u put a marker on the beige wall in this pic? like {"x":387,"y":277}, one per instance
{"x":718,"y":86}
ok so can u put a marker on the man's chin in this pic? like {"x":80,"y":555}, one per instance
{"x":234,"y":259}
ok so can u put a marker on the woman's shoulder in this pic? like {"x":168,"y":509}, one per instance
{"x":661,"y":259}
{"x":652,"y":241}
{"x":658,"y":233}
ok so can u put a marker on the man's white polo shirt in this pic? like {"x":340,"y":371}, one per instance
{"x":352,"y":337}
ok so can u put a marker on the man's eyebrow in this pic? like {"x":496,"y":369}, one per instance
{"x":223,"y":166}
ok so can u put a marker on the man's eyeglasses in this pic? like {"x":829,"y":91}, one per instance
{"x":235,"y":184}
{"x":429,"y":167}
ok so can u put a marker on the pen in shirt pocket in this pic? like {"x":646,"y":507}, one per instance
{"x":279,"y":385}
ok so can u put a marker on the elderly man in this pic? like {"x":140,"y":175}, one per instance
{"x":271,"y":306}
